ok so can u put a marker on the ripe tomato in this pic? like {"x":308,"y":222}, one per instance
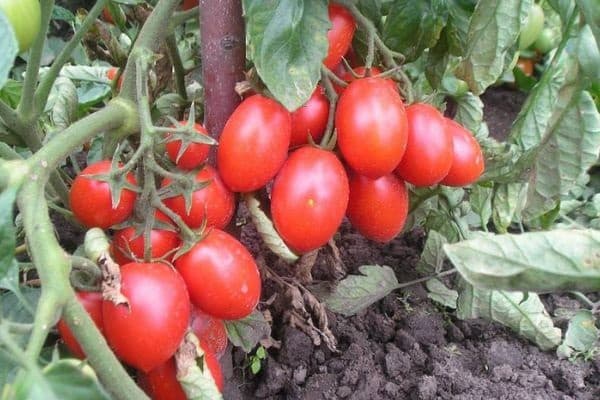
{"x":309,"y":198}
{"x":112,"y":74}
{"x":148,"y":332}
{"x":361,"y":73}
{"x":194,"y":155}
{"x":126,"y":243}
{"x":212,"y":363}
{"x":106,"y":16}
{"x":189,"y":4}
{"x":92,"y":302}
{"x":91,"y":198}
{"x":340,"y":35}
{"x":428,"y":154}
{"x":468,"y":163}
{"x":214,"y":202}
{"x":25,"y":17}
{"x":311,"y":119}
{"x":254,"y":143}
{"x":210,"y":332}
{"x":371,"y":126}
{"x":377,"y":208}
{"x":532,"y":28}
{"x":161,"y":383}
{"x":526,"y":66}
{"x":221,"y":276}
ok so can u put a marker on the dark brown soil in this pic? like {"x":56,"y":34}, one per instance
{"x":404,"y":346}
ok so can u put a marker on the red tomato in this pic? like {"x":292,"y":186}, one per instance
{"x":210,"y":332}
{"x":112,"y":74}
{"x":214,"y":202}
{"x":161,"y":383}
{"x":428,"y":155}
{"x":361,"y":73}
{"x":126,"y":243}
{"x":194,"y":155}
{"x":212,"y":363}
{"x":108,"y":18}
{"x":309,"y":198}
{"x":92,"y":302}
{"x":91,"y":198}
{"x":189,"y":4}
{"x":147,"y":333}
{"x":371,"y":126}
{"x":526,"y":65}
{"x":377,"y":208}
{"x":221,"y":275}
{"x":468,"y":163}
{"x":340,"y":35}
{"x":254,"y":143}
{"x":311,"y":119}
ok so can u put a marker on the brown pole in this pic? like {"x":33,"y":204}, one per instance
{"x":223,"y":51}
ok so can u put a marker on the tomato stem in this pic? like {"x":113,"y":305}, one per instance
{"x":177,"y":65}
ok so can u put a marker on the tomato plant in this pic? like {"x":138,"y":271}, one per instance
{"x":372,"y":127}
{"x":91,"y":199}
{"x":526,"y":66}
{"x":144,"y":322}
{"x":253,"y":144}
{"x":161,"y":382}
{"x":532,"y":28}
{"x":25,"y":19}
{"x":428,"y":155}
{"x":310,"y":119}
{"x":360,"y":72}
{"x":309,"y":198}
{"x":340,"y":35}
{"x":210,"y":332}
{"x":92,"y":302}
{"x":193,"y":155}
{"x":128,"y":244}
{"x":221,"y":276}
{"x":467,"y":160}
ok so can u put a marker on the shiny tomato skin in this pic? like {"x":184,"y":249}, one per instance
{"x":311,"y":119}
{"x":91,"y":199}
{"x":221,"y":276}
{"x":25,"y":17}
{"x":361,"y":72}
{"x":377,"y":208}
{"x":309,"y":198}
{"x":372,"y":127}
{"x":161,"y":382}
{"x":125,"y":242}
{"x":428,"y":155}
{"x":149,"y":331}
{"x":210,"y":332}
{"x":194,"y":155}
{"x":468,"y":163}
{"x":92,"y":302}
{"x":212,"y":363}
{"x":340,"y":35}
{"x":214,"y":202}
{"x":254,"y":143}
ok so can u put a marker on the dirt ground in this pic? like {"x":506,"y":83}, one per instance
{"x":405,"y":346}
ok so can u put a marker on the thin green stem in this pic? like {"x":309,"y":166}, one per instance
{"x":8,"y":115}
{"x":583,"y":298}
{"x":177,"y":65}
{"x":25,"y":108}
{"x":43,"y":90}
{"x":8,"y":153}
{"x":326,"y":141}
{"x":425,"y":279}
{"x":180,"y":17}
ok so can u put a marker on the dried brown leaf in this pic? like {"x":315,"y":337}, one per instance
{"x":304,"y":267}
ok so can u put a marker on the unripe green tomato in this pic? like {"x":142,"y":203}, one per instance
{"x":547,"y":40}
{"x":532,"y":28}
{"x":25,"y":18}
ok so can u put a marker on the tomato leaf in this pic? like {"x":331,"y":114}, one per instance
{"x":587,"y":53}
{"x":7,"y":230}
{"x":437,"y":62}
{"x":248,"y":332}
{"x":287,"y":41}
{"x":493,"y":31}
{"x":9,"y":46}
{"x":413,"y":26}
{"x":457,"y":27}
{"x":581,"y":335}
{"x":524,"y":313}
{"x":469,"y":113}
{"x":199,"y":384}
{"x":507,"y":203}
{"x":356,"y":292}
{"x":432,"y":256}
{"x":62,"y":103}
{"x":556,"y":260}
{"x":66,"y":379}
{"x":480,"y":200}
{"x":267,"y":231}
{"x":440,"y":293}
{"x":591,"y":10}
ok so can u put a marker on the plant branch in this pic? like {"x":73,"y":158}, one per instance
{"x":177,"y":65}
{"x":182,"y":16}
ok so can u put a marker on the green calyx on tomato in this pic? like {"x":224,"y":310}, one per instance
{"x":25,"y":18}
{"x":532,"y":28}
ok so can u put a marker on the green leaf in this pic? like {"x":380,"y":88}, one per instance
{"x":287,"y":41}
{"x":248,"y":332}
{"x":437,"y":62}
{"x":433,"y":256}
{"x":62,"y":14}
{"x":7,"y":230}
{"x":591,"y":11}
{"x":457,"y":27}
{"x":357,"y":292}
{"x":267,"y":231}
{"x":523,"y":313}
{"x":66,"y":379}
{"x":587,"y":53}
{"x":469,"y":113}
{"x":507,"y":204}
{"x":63,"y":102}
{"x":572,"y":147}
{"x":481,"y":203}
{"x":556,"y":260}
{"x":199,"y":384}
{"x":440,"y":293}
{"x":413,"y":26}
{"x":564,"y":8}
{"x":581,"y":335}
{"x":493,"y":31}
{"x":9,"y":46}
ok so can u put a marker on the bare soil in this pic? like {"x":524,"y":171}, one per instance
{"x":405,"y":346}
